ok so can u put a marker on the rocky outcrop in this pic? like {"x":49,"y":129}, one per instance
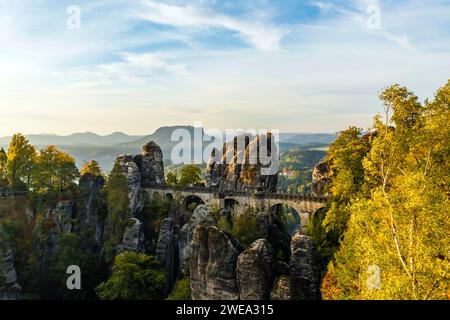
{"x":133,"y":176}
{"x":90,"y":187}
{"x":201,"y":216}
{"x":63,"y":214}
{"x":9,"y":288}
{"x":321,"y":178}
{"x":184,"y":248}
{"x":242,"y":166}
{"x":255,"y":271}
{"x":271,"y":227}
{"x":303,"y":268}
{"x":142,"y":171}
{"x":133,"y":237}
{"x":151,"y":166}
{"x":167,"y":251}
{"x":281,"y":289}
{"x":213,"y":265}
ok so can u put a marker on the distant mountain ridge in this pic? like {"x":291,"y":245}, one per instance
{"x":85,"y":146}
{"x":80,"y":138}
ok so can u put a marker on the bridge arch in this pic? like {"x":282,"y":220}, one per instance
{"x":293,"y":216}
{"x":169,"y":196}
{"x":230,"y":204}
{"x":188,"y":202}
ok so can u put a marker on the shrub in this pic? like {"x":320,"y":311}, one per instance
{"x":182,"y":290}
{"x":135,"y":277}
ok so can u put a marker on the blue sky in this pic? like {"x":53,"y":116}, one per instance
{"x":133,"y":66}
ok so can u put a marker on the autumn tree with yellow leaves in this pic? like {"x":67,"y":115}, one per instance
{"x":400,"y":224}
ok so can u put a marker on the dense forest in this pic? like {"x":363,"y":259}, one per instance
{"x":382,"y":235}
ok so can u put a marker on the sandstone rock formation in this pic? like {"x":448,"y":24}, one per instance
{"x":281,"y":289}
{"x":271,"y":228}
{"x":255,"y":271}
{"x":143,"y":170}
{"x":90,"y":186}
{"x":201,"y":216}
{"x":151,"y":166}
{"x":213,"y":265}
{"x":133,"y":237}
{"x":133,"y":175}
{"x":167,"y":250}
{"x":303,"y":268}
{"x":241,"y":165}
{"x":321,"y":178}
{"x":9,"y":288}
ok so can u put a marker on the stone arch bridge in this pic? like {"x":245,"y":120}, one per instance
{"x":241,"y":201}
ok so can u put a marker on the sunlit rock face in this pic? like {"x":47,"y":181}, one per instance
{"x":246,"y":163}
{"x":133,"y":175}
{"x":321,"y":178}
{"x":150,"y":163}
{"x":142,"y":171}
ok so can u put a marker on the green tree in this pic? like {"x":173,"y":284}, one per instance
{"x":182,"y":290}
{"x":74,"y":250}
{"x":54,"y":170}
{"x":135,"y":277}
{"x":345,"y":156}
{"x":171,"y":179}
{"x":3,"y":161}
{"x":92,"y":167}
{"x":20,"y":162}
{"x":118,"y":204}
{"x":66,"y":170}
{"x":190,"y":175}
{"x":401,"y":225}
{"x":244,"y":227}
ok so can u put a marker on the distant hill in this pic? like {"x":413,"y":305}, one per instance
{"x":84,"y":138}
{"x":87,"y":145}
{"x":308,"y":139}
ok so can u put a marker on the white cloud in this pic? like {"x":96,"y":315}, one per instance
{"x":258,"y":34}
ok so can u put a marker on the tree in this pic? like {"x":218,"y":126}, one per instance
{"x":400,"y":226}
{"x":74,"y":250}
{"x":66,"y":171}
{"x":20,"y":161}
{"x":3,"y":161}
{"x":345,"y":156}
{"x":118,"y":204}
{"x":190,"y":175}
{"x":135,"y":277}
{"x":171,"y":179}
{"x":54,"y":170}
{"x":182,"y":290}
{"x":92,"y":167}
{"x":244,"y":227}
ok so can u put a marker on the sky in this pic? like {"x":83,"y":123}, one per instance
{"x":292,"y":65}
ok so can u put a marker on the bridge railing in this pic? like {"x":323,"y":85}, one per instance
{"x":248,"y":193}
{"x":4,"y":194}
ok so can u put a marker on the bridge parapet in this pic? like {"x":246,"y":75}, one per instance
{"x":247,"y":193}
